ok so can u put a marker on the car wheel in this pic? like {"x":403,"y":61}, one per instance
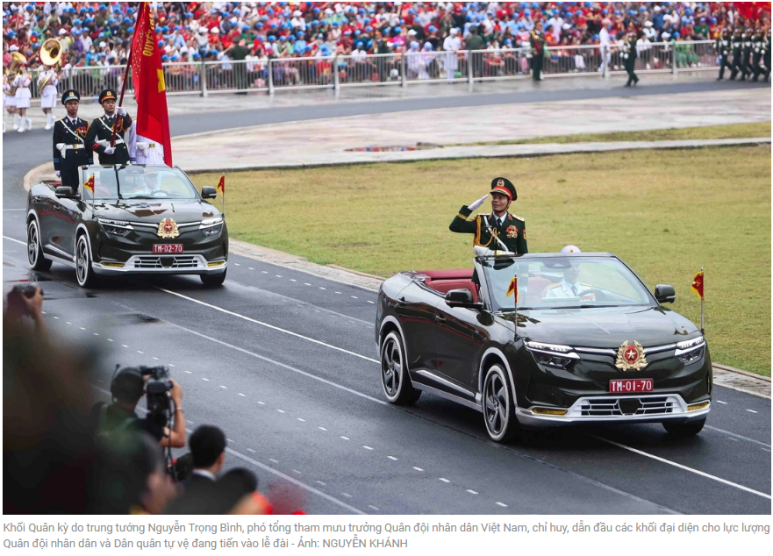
{"x":35,"y":248}
{"x":84,"y":272}
{"x":498,"y":406}
{"x":394,"y":372}
{"x":682,"y":430}
{"x":213,"y":280}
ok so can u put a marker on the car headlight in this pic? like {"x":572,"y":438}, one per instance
{"x":212,"y":230}
{"x":690,"y":351}
{"x":553,"y":355}
{"x":210,"y":222}
{"x":115,"y":227}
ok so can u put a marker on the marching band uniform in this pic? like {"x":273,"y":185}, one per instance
{"x":70,"y":148}
{"x":6,"y":87}
{"x":101,"y":132}
{"x":23,"y":96}
{"x":48,"y":95}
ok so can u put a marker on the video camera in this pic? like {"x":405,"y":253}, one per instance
{"x":15,"y":301}
{"x":157,"y":389}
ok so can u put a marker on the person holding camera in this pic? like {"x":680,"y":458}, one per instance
{"x":127,"y":388}
{"x":25,"y":301}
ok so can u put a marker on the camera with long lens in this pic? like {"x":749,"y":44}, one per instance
{"x":157,"y":388}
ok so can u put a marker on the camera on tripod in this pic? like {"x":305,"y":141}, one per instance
{"x":157,"y":389}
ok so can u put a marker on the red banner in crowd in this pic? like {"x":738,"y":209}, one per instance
{"x":752,"y":10}
{"x":149,"y":86}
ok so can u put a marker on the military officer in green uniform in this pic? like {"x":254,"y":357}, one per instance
{"x":101,"y":131}
{"x":748,"y":37}
{"x":629,"y":58}
{"x":737,"y":55}
{"x":766,"y":55}
{"x":70,"y":151}
{"x":723,"y":47}
{"x":758,"y":51}
{"x":500,"y":225}
{"x":537,"y":41}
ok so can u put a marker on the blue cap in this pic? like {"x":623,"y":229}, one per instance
{"x":196,"y":56}
{"x":164,"y":58}
{"x":432,"y":28}
{"x":130,"y":30}
{"x":360,"y":45}
{"x":357,"y":32}
{"x":397,"y":30}
{"x":291,"y":38}
{"x":188,"y":14}
{"x":347,"y":32}
{"x":368,"y":29}
{"x":102,"y":35}
{"x":30,"y":7}
{"x":271,"y":38}
{"x":282,"y":38}
{"x":90,"y":9}
{"x":160,"y":44}
{"x":315,"y":10}
{"x":102,"y":7}
{"x":237,"y":11}
{"x":110,"y":21}
{"x":76,"y":22}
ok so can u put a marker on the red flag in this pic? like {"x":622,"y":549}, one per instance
{"x":221,"y":184}
{"x":149,"y":86}
{"x":697,"y":284}
{"x":89,"y":184}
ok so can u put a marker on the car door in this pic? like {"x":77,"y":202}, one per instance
{"x":416,"y":309}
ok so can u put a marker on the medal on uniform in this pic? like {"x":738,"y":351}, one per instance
{"x":167,"y":229}
{"x":512,"y":232}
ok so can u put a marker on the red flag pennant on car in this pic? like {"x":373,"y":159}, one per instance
{"x":149,"y":85}
{"x":221,"y":184}
{"x":89,"y":184}
{"x":697,"y":284}
{"x":512,"y":289}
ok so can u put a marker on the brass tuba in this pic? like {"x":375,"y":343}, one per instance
{"x":17,"y":60}
{"x":50,"y":54}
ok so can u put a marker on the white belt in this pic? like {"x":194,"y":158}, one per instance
{"x":63,"y":148}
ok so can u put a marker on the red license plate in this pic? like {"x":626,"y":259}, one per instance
{"x":630,"y":385}
{"x":167,"y":247}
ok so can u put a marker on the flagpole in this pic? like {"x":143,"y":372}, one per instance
{"x":515,"y":305}
{"x":126,"y":73}
{"x":223,"y":178}
{"x":704,"y":283}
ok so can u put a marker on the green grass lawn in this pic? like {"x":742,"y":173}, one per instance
{"x":732,"y":131}
{"x":666,"y":213}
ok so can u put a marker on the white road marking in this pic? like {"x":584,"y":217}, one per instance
{"x":321,"y":483}
{"x":281,"y":410}
{"x":339,"y":293}
{"x":766,"y":450}
{"x":284,"y":366}
{"x":16,"y":240}
{"x":140,"y":352}
{"x":124,"y":345}
{"x":343,"y":437}
{"x":296,"y":482}
{"x":251,"y":268}
{"x":242,"y":395}
{"x":373,"y":508}
{"x":501,"y":504}
{"x":229,"y":440}
{"x":271,"y":326}
{"x":278,"y":275}
{"x":733,"y":439}
{"x":322,"y":288}
{"x":444,"y":480}
{"x":223,"y":387}
{"x":392,"y":458}
{"x":371,"y":302}
{"x":237,"y":264}
{"x":109,"y":339}
{"x":418,"y":469}
{"x":82,"y":328}
{"x":367,"y":447}
{"x":751,"y":411}
{"x":354,"y":297}
{"x":301,"y":420}
{"x":720,"y":401}
{"x":684,"y":467}
{"x":306,"y":284}
{"x":43,"y":313}
{"x":261,"y":403}
{"x":293,"y":280}
{"x":205,"y":379}
{"x":471,"y":491}
{"x":171,"y":365}
{"x":272,"y":460}
{"x":250,"y":450}
{"x":264,"y":272}
{"x":57,"y":318}
{"x":322,"y":429}
{"x":96,"y":333}
{"x":155,"y":358}
{"x":737,"y":436}
{"x":298,"y":472}
{"x":68,"y":322}
{"x":188,"y":372}
{"x":346,"y":494}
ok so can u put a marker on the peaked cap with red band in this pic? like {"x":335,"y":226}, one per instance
{"x":505,"y":187}
{"x":107,"y":94}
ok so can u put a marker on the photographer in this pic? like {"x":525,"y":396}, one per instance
{"x":25,"y":301}
{"x":127,"y":388}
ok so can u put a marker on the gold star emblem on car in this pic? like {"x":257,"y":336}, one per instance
{"x":167,"y":229}
{"x":630,"y":356}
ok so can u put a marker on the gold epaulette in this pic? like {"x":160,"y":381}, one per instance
{"x":554,"y":286}
{"x":518,"y":217}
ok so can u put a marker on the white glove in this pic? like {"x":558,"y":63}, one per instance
{"x":479,"y":202}
{"x":62,"y":148}
{"x":143,"y":147}
{"x":120,"y":111}
{"x":109,"y":150}
{"x":58,"y":174}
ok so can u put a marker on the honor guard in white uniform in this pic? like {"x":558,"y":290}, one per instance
{"x":569,"y":286}
{"x":452,"y":45}
{"x":47,"y":82}
{"x":23,"y":95}
{"x":143,"y":150}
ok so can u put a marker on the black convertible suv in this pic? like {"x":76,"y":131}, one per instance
{"x":130,"y":219}
{"x":586,"y":343}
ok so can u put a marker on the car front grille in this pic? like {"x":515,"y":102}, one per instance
{"x":615,"y":407}
{"x":150,"y":262}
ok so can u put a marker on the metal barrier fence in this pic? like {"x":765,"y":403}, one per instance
{"x":336,"y":72}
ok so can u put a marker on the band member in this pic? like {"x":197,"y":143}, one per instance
{"x":47,"y":82}
{"x":101,"y":131}
{"x":23,"y":95}
{"x":70,"y":148}
{"x":6,"y":90}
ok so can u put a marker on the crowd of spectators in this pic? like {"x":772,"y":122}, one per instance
{"x":67,"y":452}
{"x":98,"y":34}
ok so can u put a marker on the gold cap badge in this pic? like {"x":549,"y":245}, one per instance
{"x":167,"y":229}
{"x":630,"y":355}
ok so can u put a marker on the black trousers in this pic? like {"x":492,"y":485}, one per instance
{"x":632,"y":77}
{"x":536,"y":66}
{"x":737,"y":65}
{"x":69,"y":167}
{"x":724,"y":63}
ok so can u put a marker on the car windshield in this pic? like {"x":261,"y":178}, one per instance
{"x":563,"y":282}
{"x":139,"y":182}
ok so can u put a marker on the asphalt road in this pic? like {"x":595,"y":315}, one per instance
{"x":286,"y":364}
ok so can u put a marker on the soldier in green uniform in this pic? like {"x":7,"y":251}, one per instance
{"x":101,"y":131}
{"x":70,"y":151}
{"x":537,"y":41}
{"x":500,"y":225}
{"x":758,"y":50}
{"x":748,"y":37}
{"x":723,"y":46}
{"x":766,"y":55}
{"x":737,"y":54}
{"x":629,"y":58}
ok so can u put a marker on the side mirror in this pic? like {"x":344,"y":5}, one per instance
{"x":665,"y":293}
{"x":208,"y":192}
{"x":461,"y":298}
{"x":64,"y":191}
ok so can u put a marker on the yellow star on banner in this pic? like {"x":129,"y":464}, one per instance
{"x":161,"y":84}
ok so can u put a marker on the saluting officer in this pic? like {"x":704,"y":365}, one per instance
{"x":629,"y":58}
{"x":723,"y":47}
{"x":70,"y":147}
{"x":101,"y":131}
{"x":537,"y":40}
{"x":737,"y":55}
{"x":510,"y":229}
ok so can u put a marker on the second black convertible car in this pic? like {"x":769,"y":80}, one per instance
{"x":138,"y":220}
{"x":591,"y":345}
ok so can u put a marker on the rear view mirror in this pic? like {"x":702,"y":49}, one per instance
{"x":665,"y":293}
{"x":208,"y":192}
{"x":64,"y":191}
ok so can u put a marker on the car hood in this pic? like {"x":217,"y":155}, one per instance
{"x":606,"y":327}
{"x":154,"y":211}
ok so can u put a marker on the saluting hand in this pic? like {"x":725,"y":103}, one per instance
{"x":479,"y":202}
